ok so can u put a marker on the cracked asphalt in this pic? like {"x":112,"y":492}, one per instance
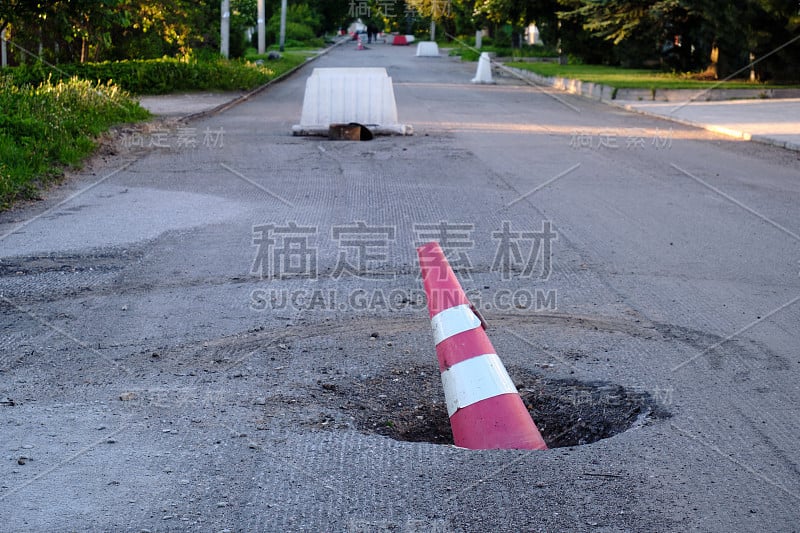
{"x":179,"y":320}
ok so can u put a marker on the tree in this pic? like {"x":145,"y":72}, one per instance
{"x":89,"y":22}
{"x":746,"y":30}
{"x":722,"y":35}
{"x":515,"y":13}
{"x":302,"y":24}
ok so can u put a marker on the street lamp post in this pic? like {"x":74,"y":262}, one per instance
{"x":283,"y":24}
{"x":225,"y":29}
{"x":4,"y":53}
{"x":261,"y":37}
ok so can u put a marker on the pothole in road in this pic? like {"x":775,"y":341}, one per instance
{"x":408,"y":405}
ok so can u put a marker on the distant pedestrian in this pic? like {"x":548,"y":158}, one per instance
{"x":372,"y":32}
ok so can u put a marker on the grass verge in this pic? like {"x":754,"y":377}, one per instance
{"x":468,"y":54}
{"x":53,"y":125}
{"x":163,"y":76}
{"x":623,"y":78}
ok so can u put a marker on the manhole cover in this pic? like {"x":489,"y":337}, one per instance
{"x":408,"y":405}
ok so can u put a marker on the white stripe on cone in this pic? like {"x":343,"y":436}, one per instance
{"x":453,"y":321}
{"x":475,"y":379}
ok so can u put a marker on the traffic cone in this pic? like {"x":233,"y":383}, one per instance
{"x":485,"y":409}
{"x":360,"y":44}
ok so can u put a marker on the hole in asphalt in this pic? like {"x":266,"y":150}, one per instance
{"x":408,"y":405}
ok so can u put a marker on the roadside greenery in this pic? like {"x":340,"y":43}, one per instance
{"x":302,"y":24}
{"x":465,"y":49}
{"x":626,"y":78}
{"x":53,"y":125}
{"x":715,"y":37}
{"x":80,"y":31}
{"x":74,"y":64}
{"x":162,"y":76}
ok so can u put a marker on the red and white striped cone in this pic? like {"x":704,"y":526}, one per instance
{"x":485,"y":409}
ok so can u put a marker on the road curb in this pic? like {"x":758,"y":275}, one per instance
{"x":243,"y":98}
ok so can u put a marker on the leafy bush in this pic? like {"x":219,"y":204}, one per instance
{"x":46,"y":127}
{"x":466,"y":54}
{"x":295,"y":31}
{"x":161,"y":76}
{"x":302,"y":24}
{"x":470,"y":40}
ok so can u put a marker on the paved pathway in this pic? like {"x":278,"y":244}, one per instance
{"x":774,"y":121}
{"x":192,"y":339}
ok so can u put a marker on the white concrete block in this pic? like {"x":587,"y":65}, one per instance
{"x":344,"y":95}
{"x":427,"y":49}
{"x":410,"y":39}
{"x":484,"y":72}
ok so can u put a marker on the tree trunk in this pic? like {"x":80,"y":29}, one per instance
{"x":83,"y":49}
{"x":714,"y":66}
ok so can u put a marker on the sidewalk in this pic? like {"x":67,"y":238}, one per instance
{"x":183,"y":105}
{"x":775,"y":122}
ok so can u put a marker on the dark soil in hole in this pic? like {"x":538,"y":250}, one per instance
{"x":408,"y":405}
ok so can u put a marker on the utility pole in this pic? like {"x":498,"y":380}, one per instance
{"x":283,"y":24}
{"x":262,"y":43}
{"x":225,"y":29}
{"x":4,"y":53}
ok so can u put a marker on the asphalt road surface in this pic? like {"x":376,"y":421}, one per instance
{"x":198,"y":329}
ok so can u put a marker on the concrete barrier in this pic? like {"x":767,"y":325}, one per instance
{"x":484,"y":71}
{"x":427,"y":49}
{"x":344,"y":95}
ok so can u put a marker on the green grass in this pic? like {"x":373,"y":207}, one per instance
{"x":468,"y":54}
{"x":45,"y":128}
{"x":307,"y":47}
{"x":302,"y":53}
{"x":313,"y":44}
{"x":623,"y":78}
